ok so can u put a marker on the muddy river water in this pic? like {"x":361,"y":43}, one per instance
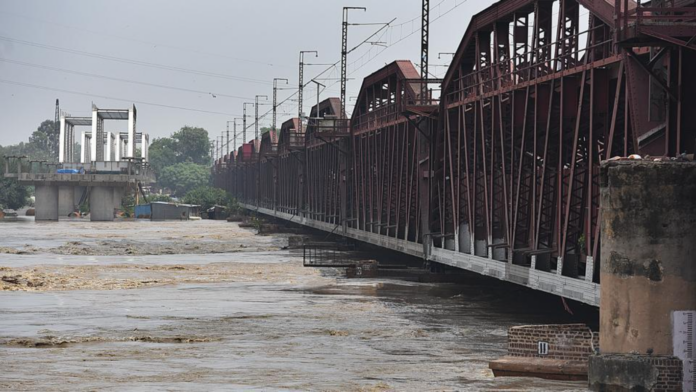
{"x":208,"y":306}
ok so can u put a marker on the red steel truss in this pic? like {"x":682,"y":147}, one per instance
{"x":387,"y":154}
{"x":501,"y":161}
{"x":268,"y":154}
{"x":325,"y":162}
{"x":290,"y":168}
{"x":533,"y":101}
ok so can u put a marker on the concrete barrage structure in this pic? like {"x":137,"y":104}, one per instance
{"x":106,"y":169}
{"x":99,"y":145}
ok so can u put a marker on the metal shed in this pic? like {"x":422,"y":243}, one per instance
{"x":173,"y":211}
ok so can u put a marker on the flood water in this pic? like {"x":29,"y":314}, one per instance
{"x":247,"y":319}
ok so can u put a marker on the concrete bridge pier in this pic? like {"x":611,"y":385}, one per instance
{"x":102,"y":201}
{"x":66,"y":200}
{"x":46,"y":202}
{"x":648,"y":275}
{"x":118,"y":193}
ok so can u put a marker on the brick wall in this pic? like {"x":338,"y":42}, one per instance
{"x":669,"y":374}
{"x":566,"y":341}
{"x":639,"y":372}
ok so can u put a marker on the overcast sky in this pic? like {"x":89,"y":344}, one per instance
{"x":233,"y":49}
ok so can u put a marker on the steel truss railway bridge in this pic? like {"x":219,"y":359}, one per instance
{"x":495,"y":168}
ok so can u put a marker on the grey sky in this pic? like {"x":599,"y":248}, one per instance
{"x":246,"y":43}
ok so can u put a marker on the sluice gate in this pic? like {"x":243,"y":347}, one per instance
{"x":495,"y":168}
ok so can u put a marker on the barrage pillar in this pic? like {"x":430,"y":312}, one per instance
{"x":66,"y":200}
{"x":46,"y":202}
{"x":101,"y":204}
{"x":648,"y":276}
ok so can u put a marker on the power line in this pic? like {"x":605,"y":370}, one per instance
{"x":118,"y":79}
{"x":402,"y":38}
{"x":133,"y":62}
{"x":143,"y":41}
{"x":112,"y":98}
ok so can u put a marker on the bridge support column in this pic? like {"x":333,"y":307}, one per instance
{"x":464,"y":238}
{"x":46,"y":203}
{"x":648,"y":276}
{"x":117,"y":197}
{"x":66,"y":200}
{"x":101,"y":204}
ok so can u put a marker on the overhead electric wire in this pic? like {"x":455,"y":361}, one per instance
{"x":330,"y":67}
{"x":144,"y":42}
{"x":456,"y":5}
{"x":118,"y":79}
{"x":113,"y":98}
{"x":197,"y":72}
{"x":133,"y":62}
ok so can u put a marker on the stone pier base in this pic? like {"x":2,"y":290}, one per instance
{"x":628,"y":372}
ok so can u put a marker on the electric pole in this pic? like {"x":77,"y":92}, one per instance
{"x":275,"y":99}
{"x":344,"y":56}
{"x":256,"y":132}
{"x":319,"y":85}
{"x":235,"y":132}
{"x":212,"y":152}
{"x":299,"y":93}
{"x":54,"y":139}
{"x":228,"y":137}
{"x":424,"y":48}
{"x":244,"y":127}
{"x":222,"y":146}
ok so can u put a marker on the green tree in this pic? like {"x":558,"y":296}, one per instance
{"x":183,"y":177}
{"x":12,"y":194}
{"x":207,"y":196}
{"x":40,"y":146}
{"x":43,"y":142}
{"x":192,"y":145}
{"x":156,"y":197}
{"x":163,"y":153}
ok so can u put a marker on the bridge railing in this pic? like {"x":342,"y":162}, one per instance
{"x":16,"y":166}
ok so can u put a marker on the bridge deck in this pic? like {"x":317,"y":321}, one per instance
{"x":550,"y":282}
